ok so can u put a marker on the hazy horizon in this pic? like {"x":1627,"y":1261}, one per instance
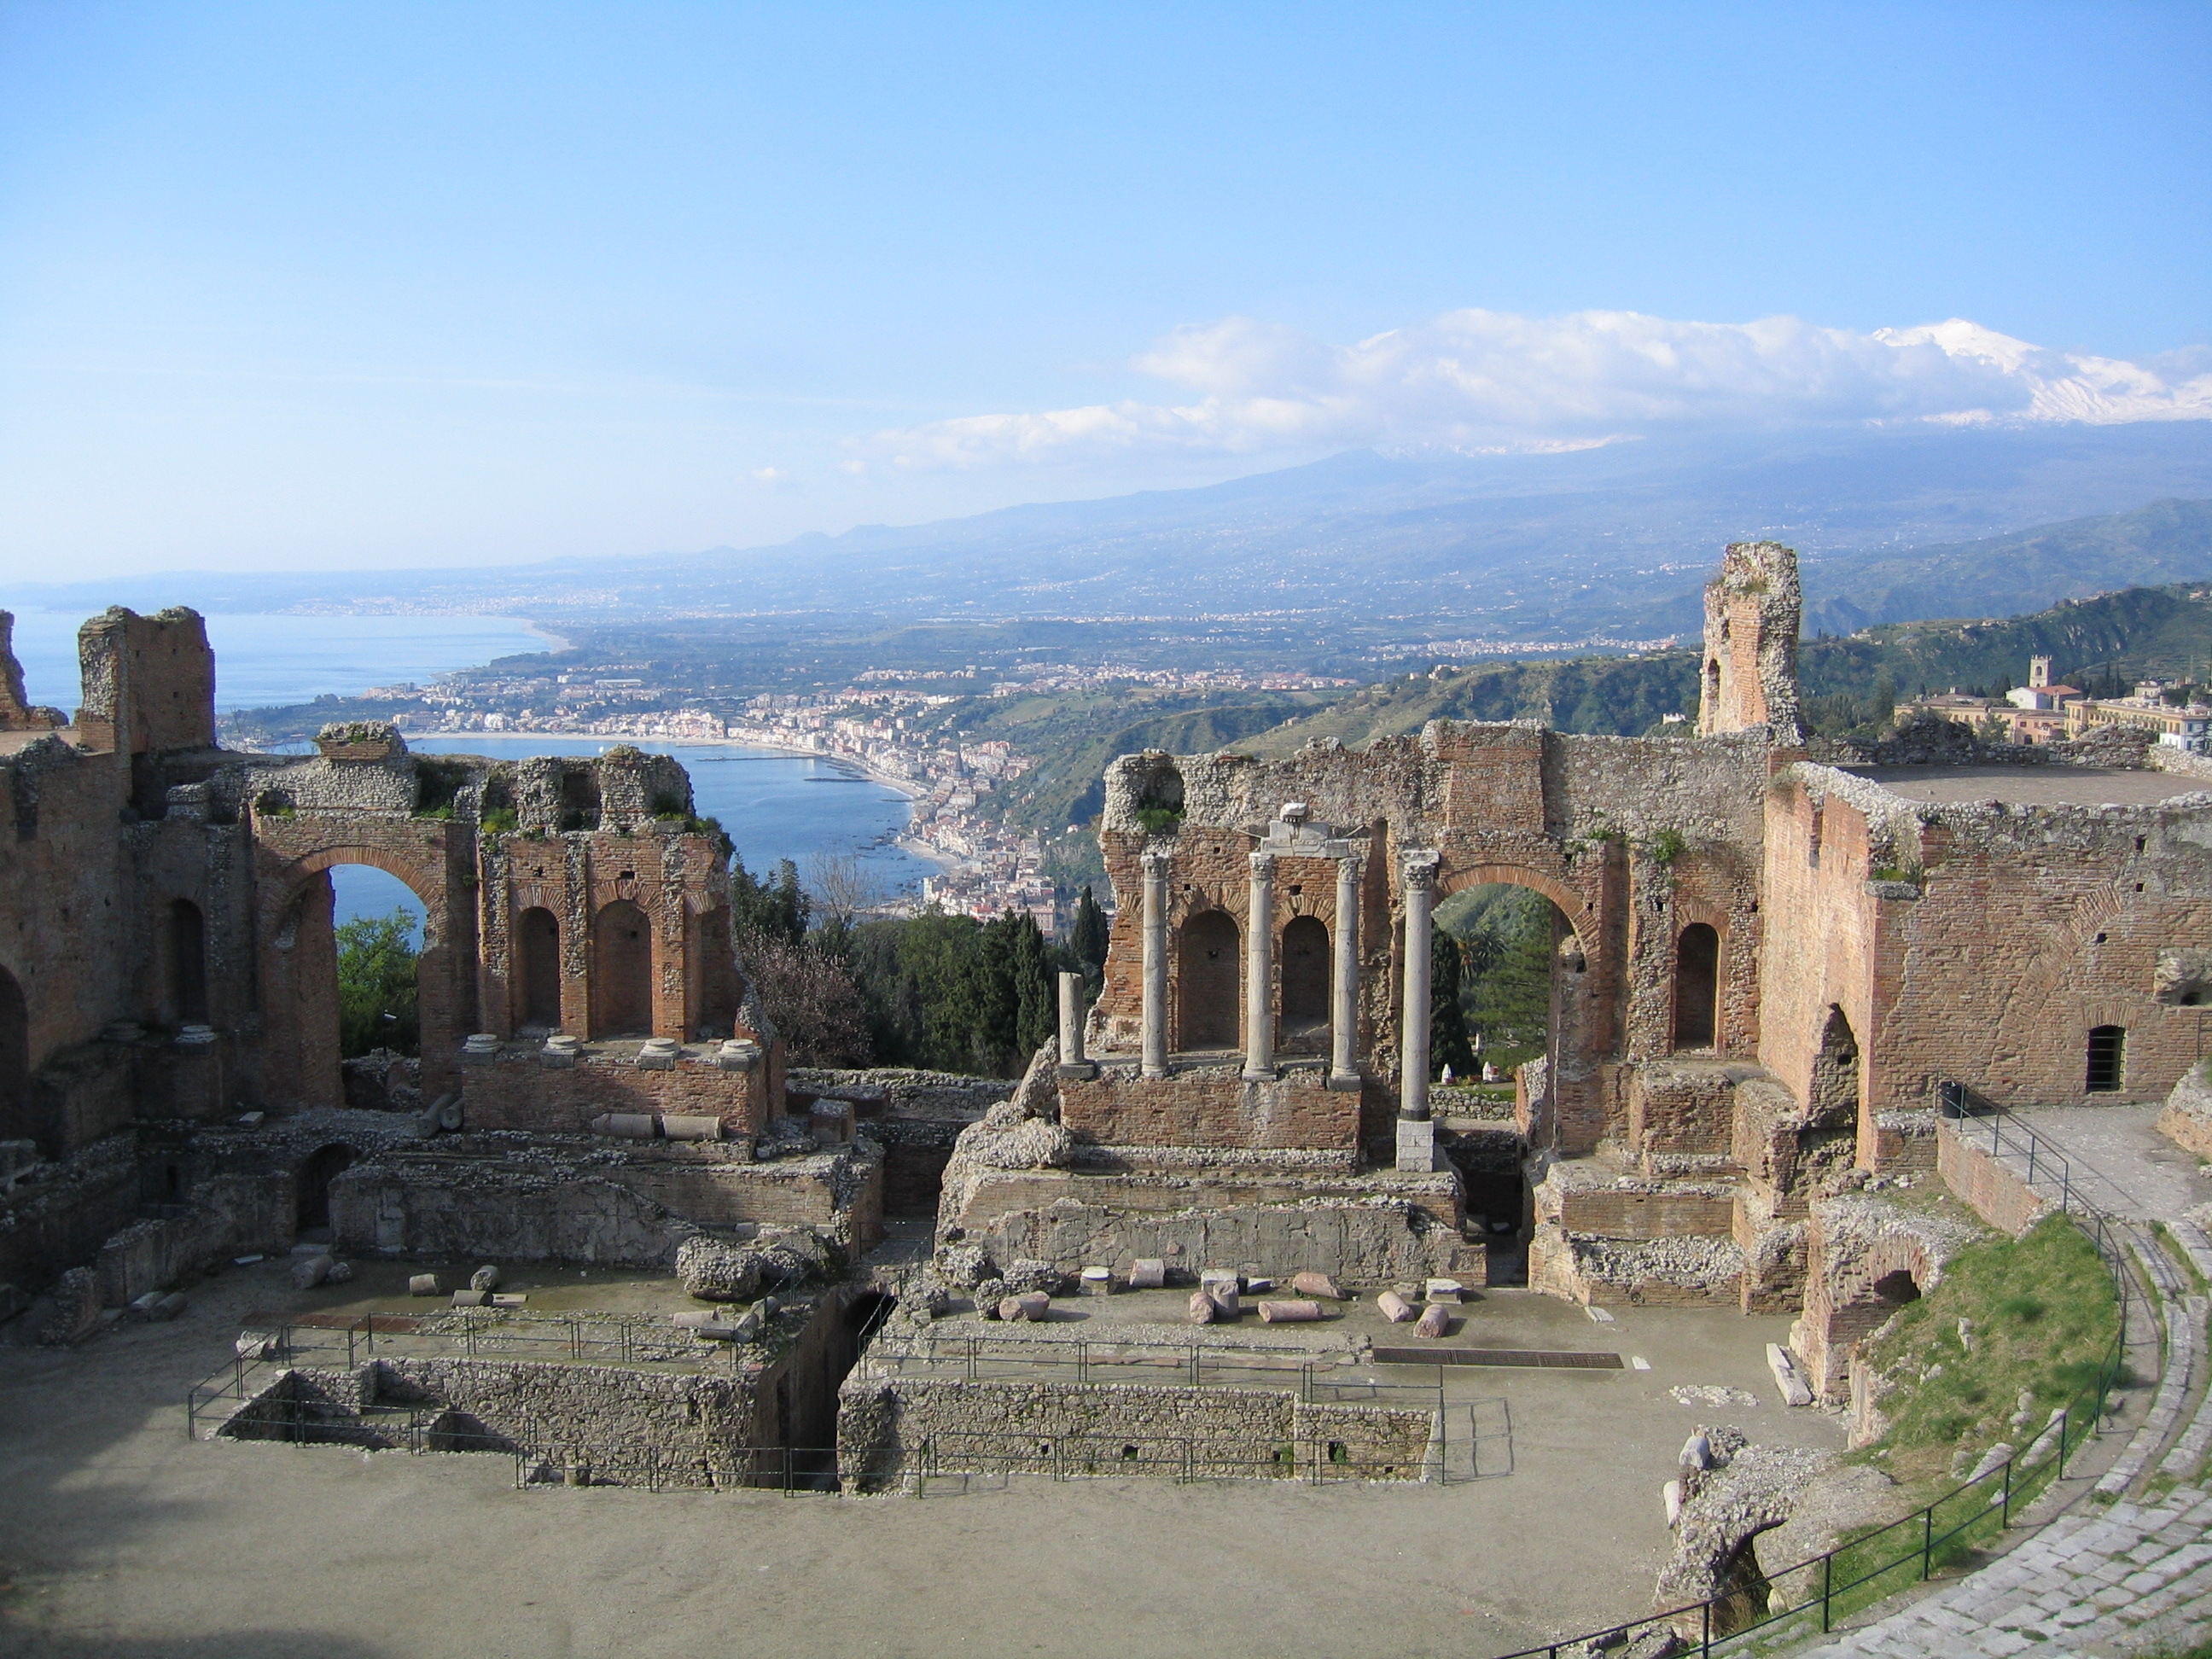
{"x":291,"y":290}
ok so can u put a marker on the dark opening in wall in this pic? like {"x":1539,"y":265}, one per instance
{"x":1897,"y":1288}
{"x":15,"y":1060}
{"x":538,"y":942}
{"x":2107,"y":1058}
{"x":316,"y":1175}
{"x":1696,"y":986}
{"x":1305,"y":974}
{"x":187,"y":963}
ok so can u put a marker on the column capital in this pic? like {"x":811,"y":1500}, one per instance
{"x":1157,"y":861}
{"x":1263,"y":866}
{"x":1420,"y":868}
{"x":1350,"y":866}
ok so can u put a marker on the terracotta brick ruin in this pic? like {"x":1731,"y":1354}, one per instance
{"x":1767,"y":956}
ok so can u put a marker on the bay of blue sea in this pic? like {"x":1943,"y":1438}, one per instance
{"x":773,"y":805}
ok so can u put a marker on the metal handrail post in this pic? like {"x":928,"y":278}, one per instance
{"x":1927,"y":1541}
{"x":1827,"y":1583}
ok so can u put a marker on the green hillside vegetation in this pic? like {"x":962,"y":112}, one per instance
{"x":2102,"y":644}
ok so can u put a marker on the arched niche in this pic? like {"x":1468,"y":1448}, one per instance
{"x":538,"y":968}
{"x":1209,"y":982}
{"x":621,"y":971}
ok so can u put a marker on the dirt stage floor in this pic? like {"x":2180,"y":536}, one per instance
{"x":120,"y":1536}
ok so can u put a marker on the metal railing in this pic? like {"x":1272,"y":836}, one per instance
{"x":1867,"y":1570}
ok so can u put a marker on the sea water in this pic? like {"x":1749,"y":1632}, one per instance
{"x":262,"y":661}
{"x":773,"y":805}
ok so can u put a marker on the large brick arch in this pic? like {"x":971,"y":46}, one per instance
{"x":298,"y":965}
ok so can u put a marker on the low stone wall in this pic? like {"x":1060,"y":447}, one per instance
{"x":888,"y":1426}
{"x":1208,"y":1106}
{"x":628,"y":1426}
{"x":1857,"y":1248}
{"x":624,"y":1205}
{"x":228,"y":1214}
{"x":1686,"y":1271}
{"x":59,"y":1214}
{"x":1990,"y":1190}
{"x":1373,"y":1228}
{"x":517,"y":1091}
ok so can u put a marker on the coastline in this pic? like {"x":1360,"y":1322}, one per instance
{"x":936,"y":856}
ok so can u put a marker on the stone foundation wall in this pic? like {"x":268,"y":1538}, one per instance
{"x":517,"y":1091}
{"x":1361,"y":1244}
{"x":1209,"y":1106}
{"x":887,"y":1425}
{"x":229,"y":1214}
{"x":61,"y":1213}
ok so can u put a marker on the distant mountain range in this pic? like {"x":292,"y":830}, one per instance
{"x":1615,"y":541}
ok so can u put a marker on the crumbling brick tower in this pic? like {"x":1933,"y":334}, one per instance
{"x":1753,"y":609}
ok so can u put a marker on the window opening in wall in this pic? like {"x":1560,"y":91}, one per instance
{"x":2108,"y":1055}
{"x":1696,"y":986}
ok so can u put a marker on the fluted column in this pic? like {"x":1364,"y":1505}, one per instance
{"x":1157,"y":862}
{"x":1344,"y":979}
{"x":1259,"y":969}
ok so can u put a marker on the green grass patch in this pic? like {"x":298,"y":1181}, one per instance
{"x":2043,"y":1315}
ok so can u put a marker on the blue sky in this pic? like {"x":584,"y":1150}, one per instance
{"x":337,"y":285}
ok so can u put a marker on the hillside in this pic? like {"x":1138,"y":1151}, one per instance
{"x":2168,"y":541}
{"x":1610,"y":542}
{"x":2108,"y":641}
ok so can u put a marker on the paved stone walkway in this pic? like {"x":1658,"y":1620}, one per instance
{"x":2135,"y":1575}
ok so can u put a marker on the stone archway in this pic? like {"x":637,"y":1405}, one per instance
{"x":1569,"y":1113}
{"x":296,"y":953}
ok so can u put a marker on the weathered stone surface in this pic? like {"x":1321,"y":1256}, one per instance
{"x":424,"y":1285}
{"x":1297,"y":1311}
{"x":1148,"y":1274}
{"x":1433,"y":1322}
{"x":715,"y":1270}
{"x":1318,"y":1285}
{"x":2187,"y":1118}
{"x":1395,"y":1308}
{"x":1203,"y":1309}
{"x":76,"y":1309}
{"x":485,"y":1277}
{"x":1031,"y":1305}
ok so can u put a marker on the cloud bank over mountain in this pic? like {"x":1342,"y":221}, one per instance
{"x":1478,"y":381}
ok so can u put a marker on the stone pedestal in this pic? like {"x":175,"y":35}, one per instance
{"x":1416,"y":1145}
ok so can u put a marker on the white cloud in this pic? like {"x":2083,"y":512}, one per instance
{"x":1488,"y":380}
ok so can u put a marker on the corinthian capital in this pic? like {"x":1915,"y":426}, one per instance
{"x":1157,"y":861}
{"x":1263,"y":866}
{"x":1421,"y":872}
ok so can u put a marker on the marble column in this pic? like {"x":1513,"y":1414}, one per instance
{"x":1416,"y":1132}
{"x":1259,"y":969}
{"x":1344,"y":979}
{"x":1071,"y":1060}
{"x":1158,"y":863}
